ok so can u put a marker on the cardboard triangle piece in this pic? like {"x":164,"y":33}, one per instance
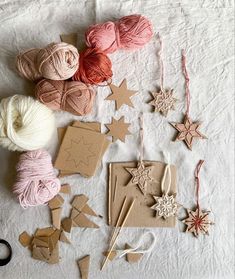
{"x":82,"y":221}
{"x":65,"y":189}
{"x":112,"y":255}
{"x":67,"y":224}
{"x":84,"y":265}
{"x":132,"y":257}
{"x":25,"y":239}
{"x":79,"y":201}
{"x":56,"y":202}
{"x":88,"y":210}
{"x":56,"y":217}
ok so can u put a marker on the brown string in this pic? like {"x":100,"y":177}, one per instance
{"x":197,"y":170}
{"x":141,"y":122}
{"x":186,"y":76}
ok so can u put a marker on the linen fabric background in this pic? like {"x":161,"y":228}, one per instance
{"x":205,"y":29}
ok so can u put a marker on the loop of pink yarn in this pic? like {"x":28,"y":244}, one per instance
{"x":129,"y":32}
{"x":36,"y":182}
{"x":72,"y":96}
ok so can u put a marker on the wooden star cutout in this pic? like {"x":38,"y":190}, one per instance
{"x":197,"y":222}
{"x":118,"y":129}
{"x":140,"y":176}
{"x":165,"y":206}
{"x":121,"y":95}
{"x":163,"y":101}
{"x":188,"y":130}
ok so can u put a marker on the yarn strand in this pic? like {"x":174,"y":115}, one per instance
{"x":141,"y":121}
{"x":186,"y":76}
{"x":197,"y":170}
{"x":161,"y":62}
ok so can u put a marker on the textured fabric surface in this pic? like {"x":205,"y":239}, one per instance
{"x":205,"y":29}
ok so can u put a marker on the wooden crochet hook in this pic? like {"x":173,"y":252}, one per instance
{"x":115,"y":238}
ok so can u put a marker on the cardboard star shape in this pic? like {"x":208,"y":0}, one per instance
{"x":163,"y":101}
{"x":118,"y":129}
{"x":140,"y":176}
{"x":197,"y":222}
{"x":121,"y":95}
{"x":165,"y":206}
{"x":188,"y":131}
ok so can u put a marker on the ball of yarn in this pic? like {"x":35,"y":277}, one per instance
{"x":25,"y":124}
{"x":130,"y":32}
{"x":25,"y":64}
{"x":94,"y":67}
{"x":72,"y":96}
{"x":57,"y":61}
{"x":36,"y":182}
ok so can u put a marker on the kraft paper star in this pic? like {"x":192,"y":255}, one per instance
{"x":121,"y":95}
{"x":197,"y":222}
{"x":79,"y":152}
{"x":140,"y":176}
{"x":118,"y":129}
{"x":188,"y":131}
{"x":163,"y":101}
{"x":165,"y":206}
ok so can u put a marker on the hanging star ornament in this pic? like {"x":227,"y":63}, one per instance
{"x":118,"y":129}
{"x":163,"y":101}
{"x":165,"y":206}
{"x":197,"y":222}
{"x":188,"y":131}
{"x":140,"y":176}
{"x":121,"y":95}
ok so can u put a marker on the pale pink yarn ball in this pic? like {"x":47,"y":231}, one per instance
{"x":72,"y":96}
{"x":36,"y":182}
{"x":57,"y":61}
{"x":129,"y":32}
{"x":25,"y":64}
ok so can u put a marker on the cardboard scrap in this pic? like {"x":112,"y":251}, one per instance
{"x":56,"y":217}
{"x":85,"y":148}
{"x":56,"y":202}
{"x":142,"y":215}
{"x":89,"y":211}
{"x":45,"y":244}
{"x":118,"y":129}
{"x":79,"y":202}
{"x":132,"y":257}
{"x":67,"y":224}
{"x":65,"y":189}
{"x":69,"y":38}
{"x":82,"y":221}
{"x":25,"y":239}
{"x":84,"y":265}
{"x":112,"y":255}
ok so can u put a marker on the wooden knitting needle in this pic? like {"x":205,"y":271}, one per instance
{"x":115,"y":239}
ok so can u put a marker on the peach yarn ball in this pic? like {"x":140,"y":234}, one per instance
{"x":25,"y":64}
{"x":72,"y":96}
{"x":57,"y":61}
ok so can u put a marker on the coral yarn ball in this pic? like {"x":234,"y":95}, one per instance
{"x":129,"y":32}
{"x":25,"y":64}
{"x":103,"y":37}
{"x":72,"y":96}
{"x":57,"y":61}
{"x":25,"y":124}
{"x":94,"y":67}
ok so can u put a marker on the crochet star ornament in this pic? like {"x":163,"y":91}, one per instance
{"x":197,"y":222}
{"x":163,"y":101}
{"x":121,"y":95}
{"x":140,"y":176}
{"x":165,"y":206}
{"x":188,"y":131}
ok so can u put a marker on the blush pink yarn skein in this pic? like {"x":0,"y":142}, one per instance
{"x":57,"y":61}
{"x":25,"y":64}
{"x":36,"y":181}
{"x":129,"y":32}
{"x":72,"y":96}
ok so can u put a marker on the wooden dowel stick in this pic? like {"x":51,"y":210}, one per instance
{"x":115,"y":239}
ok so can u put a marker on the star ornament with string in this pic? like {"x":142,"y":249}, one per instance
{"x":197,"y":222}
{"x":188,"y":131}
{"x":163,"y":101}
{"x":140,"y":176}
{"x":165,"y":206}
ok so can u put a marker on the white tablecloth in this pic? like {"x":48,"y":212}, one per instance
{"x":205,"y":29}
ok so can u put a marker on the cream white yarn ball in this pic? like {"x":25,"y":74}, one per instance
{"x":25,"y":124}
